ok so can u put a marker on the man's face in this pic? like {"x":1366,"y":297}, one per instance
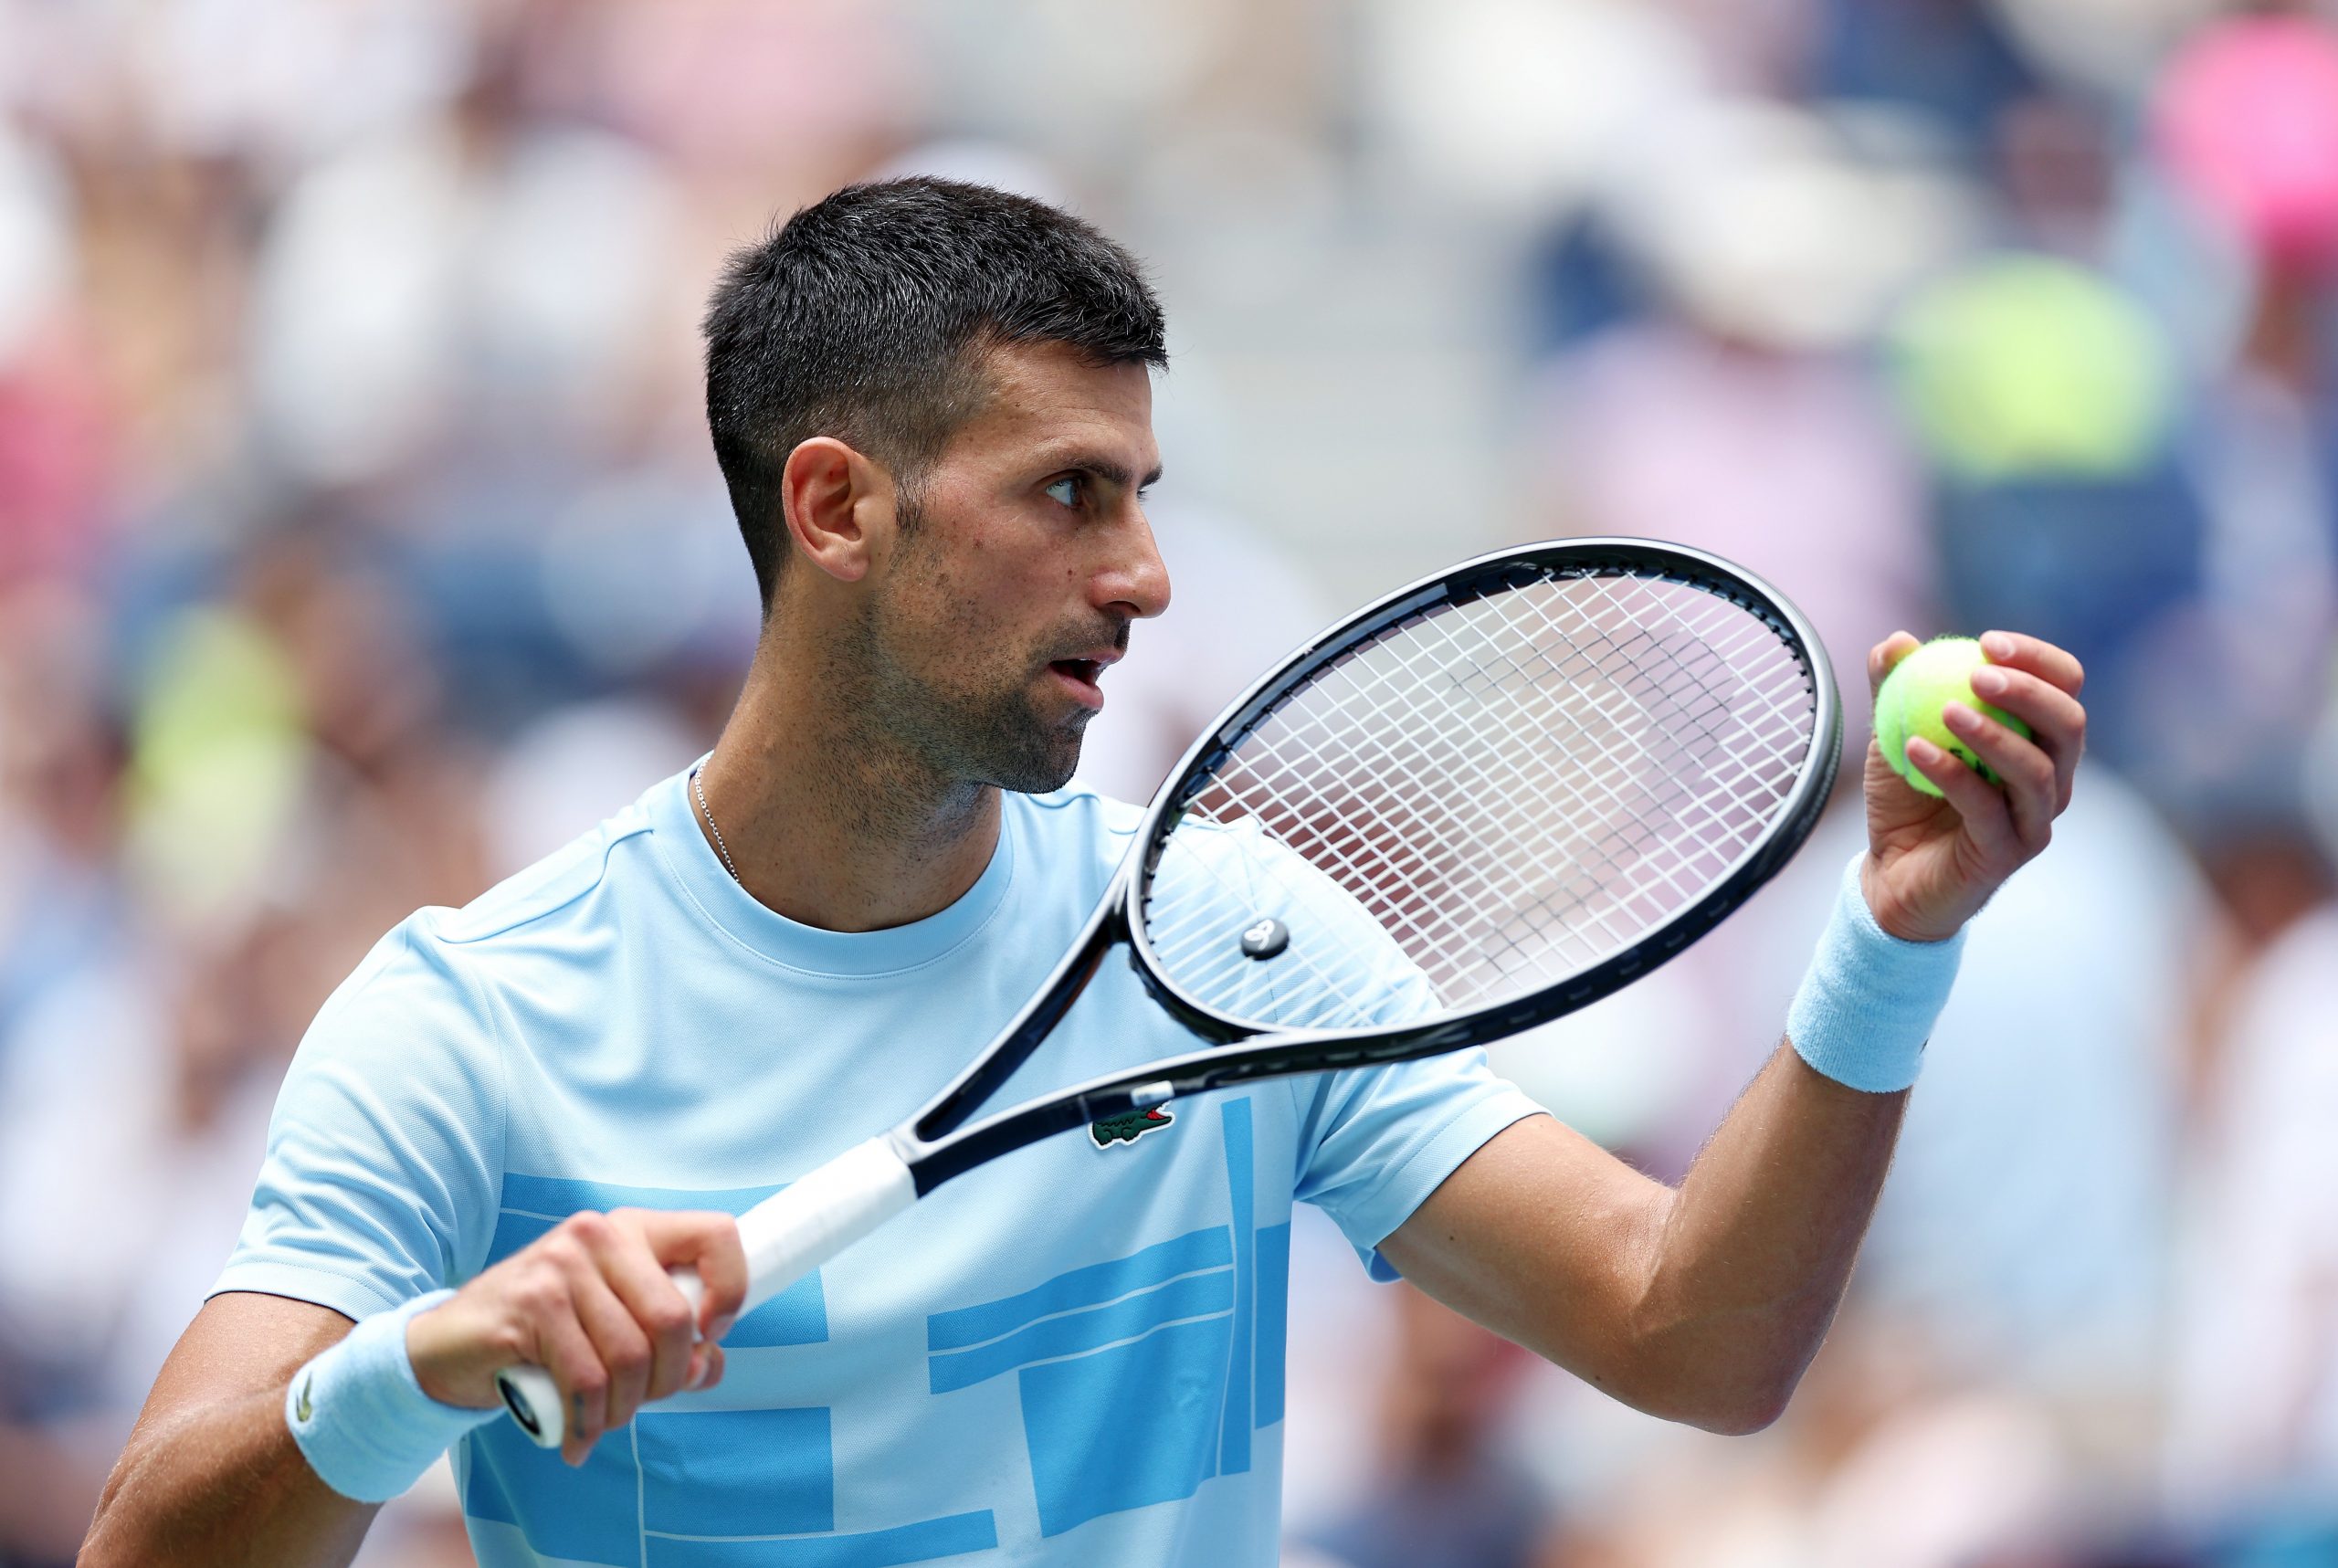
{"x":1015,"y":571}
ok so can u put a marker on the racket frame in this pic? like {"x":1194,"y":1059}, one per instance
{"x":942,"y":1140}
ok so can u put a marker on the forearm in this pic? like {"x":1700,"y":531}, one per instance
{"x":223,"y":1484}
{"x":1749,"y":1258}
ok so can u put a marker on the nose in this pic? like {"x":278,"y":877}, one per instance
{"x":1136,"y":584}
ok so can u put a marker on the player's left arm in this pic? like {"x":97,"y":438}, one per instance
{"x":1704,"y":1303}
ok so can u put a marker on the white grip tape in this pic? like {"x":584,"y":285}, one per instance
{"x":793,"y":1231}
{"x":785,"y":1236}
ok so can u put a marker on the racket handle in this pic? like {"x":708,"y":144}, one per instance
{"x":533,"y":1399}
{"x":785,"y":1236}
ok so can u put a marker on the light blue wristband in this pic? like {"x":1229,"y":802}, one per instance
{"x":363,"y":1423}
{"x":1870,"y":1000}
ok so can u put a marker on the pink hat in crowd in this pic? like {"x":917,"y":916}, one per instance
{"x":2248,"y":118}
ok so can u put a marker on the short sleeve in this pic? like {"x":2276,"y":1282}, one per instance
{"x":1373,"y":1142}
{"x":1376,"y":1142}
{"x":383,"y":1163}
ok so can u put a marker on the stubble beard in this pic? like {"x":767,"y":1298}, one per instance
{"x":994,"y":737}
{"x":982,"y":728}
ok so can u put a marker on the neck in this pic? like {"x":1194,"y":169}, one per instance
{"x":829,"y":824}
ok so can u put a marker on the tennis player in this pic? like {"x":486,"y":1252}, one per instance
{"x":932,"y":403}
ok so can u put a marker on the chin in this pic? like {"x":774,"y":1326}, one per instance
{"x":1046,"y":767}
{"x":1026,"y":753}
{"x":1040,"y":777}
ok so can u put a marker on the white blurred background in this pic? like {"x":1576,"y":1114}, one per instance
{"x":360,"y":541}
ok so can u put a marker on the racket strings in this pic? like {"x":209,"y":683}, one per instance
{"x":1483,"y":798}
{"x":1548,"y":809}
{"x":1520,"y":785}
{"x":1472,"y":875}
{"x":1684,"y":817}
{"x":1412,"y":926}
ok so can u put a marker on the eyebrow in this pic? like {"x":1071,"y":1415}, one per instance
{"x":1107,"y":469}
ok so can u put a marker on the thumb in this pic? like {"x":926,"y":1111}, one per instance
{"x":1883,"y":655}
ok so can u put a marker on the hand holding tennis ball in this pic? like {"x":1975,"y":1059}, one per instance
{"x":1977,"y":745}
{"x":1914,"y":701}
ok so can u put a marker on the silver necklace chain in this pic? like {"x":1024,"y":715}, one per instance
{"x":720,"y":847}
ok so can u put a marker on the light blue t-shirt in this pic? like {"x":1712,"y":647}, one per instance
{"x":1072,"y":1355}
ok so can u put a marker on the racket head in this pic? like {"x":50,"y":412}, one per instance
{"x":1485,"y":800}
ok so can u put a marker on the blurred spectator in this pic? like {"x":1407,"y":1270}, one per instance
{"x":2044,"y":400}
{"x":2254,"y":1424}
{"x":1444,"y":1495}
{"x":2231,"y":114}
{"x":53,"y":432}
{"x":1949,"y":58}
{"x":60,"y":774}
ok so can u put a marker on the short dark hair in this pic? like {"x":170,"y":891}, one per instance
{"x":866,"y":316}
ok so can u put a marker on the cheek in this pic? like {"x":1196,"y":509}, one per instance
{"x":958,"y":631}
{"x":971,"y":615}
{"x":990,"y":592}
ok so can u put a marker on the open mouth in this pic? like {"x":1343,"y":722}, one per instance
{"x":1080,"y":675}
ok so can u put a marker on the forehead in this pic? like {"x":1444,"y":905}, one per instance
{"x":1044,"y":399}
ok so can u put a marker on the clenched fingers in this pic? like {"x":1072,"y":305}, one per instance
{"x":2055,"y":717}
{"x":2028,"y":773}
{"x":620,"y":1341}
{"x":709,"y":1244}
{"x":2018,"y":650}
{"x":630,"y":1263}
{"x":1980,"y":805}
{"x":564,"y":1349}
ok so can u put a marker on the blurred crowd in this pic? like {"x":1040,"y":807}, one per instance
{"x":360,"y":543}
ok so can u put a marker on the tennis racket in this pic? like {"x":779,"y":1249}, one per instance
{"x":1485,"y":801}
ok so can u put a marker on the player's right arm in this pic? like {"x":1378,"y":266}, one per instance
{"x":212,"y":1474}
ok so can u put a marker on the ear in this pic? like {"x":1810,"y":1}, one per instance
{"x":838,"y":507}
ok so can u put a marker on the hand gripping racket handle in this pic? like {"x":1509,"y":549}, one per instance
{"x":785,"y":1236}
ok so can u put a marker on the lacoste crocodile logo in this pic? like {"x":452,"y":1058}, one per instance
{"x":1128,"y":1127}
{"x":303,"y":1410}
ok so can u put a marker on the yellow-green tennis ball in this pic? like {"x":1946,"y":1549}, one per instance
{"x":1914,"y":696}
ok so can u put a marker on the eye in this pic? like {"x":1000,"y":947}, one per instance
{"x":1066,"y":491}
